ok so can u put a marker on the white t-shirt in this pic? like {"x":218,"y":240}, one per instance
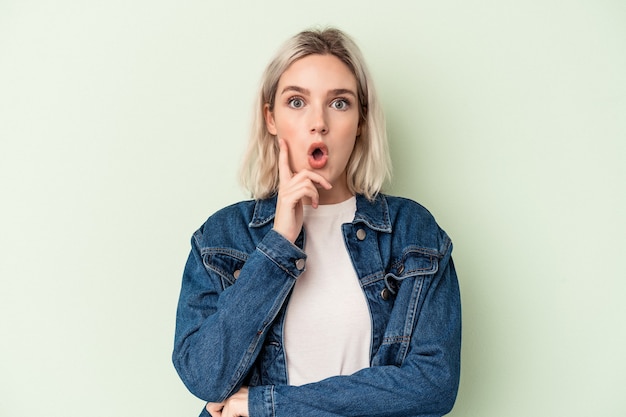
{"x":328,"y":326}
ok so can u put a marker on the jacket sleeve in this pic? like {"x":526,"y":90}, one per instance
{"x":219,"y":333}
{"x":424,"y":385}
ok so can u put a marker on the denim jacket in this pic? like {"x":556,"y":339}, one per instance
{"x":236,"y":286}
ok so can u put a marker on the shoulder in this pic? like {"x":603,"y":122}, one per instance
{"x":415,"y":224}
{"x":227,"y":227}
{"x":402,"y":206}
{"x":406,"y":212}
{"x":241,"y":211}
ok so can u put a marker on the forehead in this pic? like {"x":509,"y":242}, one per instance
{"x":318,"y":71}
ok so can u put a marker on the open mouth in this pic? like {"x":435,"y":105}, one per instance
{"x":318,"y":155}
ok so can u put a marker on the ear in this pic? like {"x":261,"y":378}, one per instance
{"x":270,"y":124}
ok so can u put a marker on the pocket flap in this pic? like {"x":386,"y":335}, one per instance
{"x":225,"y":262}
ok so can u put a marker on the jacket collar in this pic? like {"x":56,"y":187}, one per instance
{"x":375,"y":214}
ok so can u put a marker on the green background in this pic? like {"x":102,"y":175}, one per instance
{"x":122,"y":125}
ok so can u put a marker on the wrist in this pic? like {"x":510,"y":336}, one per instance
{"x":287,"y":235}
{"x":261,"y":401}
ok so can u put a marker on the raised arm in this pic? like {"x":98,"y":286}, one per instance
{"x":219,"y":332}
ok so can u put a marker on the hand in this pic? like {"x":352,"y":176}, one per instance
{"x":292,"y":190}
{"x":215,"y":409}
{"x":234,"y":406}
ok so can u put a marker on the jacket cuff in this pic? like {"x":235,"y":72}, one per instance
{"x":283,"y":253}
{"x":261,"y":401}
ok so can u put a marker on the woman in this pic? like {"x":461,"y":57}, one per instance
{"x":322,"y":296}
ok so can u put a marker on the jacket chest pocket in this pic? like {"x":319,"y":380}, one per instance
{"x":407,"y":282}
{"x":226,"y":263}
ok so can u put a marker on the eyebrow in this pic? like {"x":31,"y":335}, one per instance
{"x":336,"y":91}
{"x":340,"y":91}
{"x":296,"y":89}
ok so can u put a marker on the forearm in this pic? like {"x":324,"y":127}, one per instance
{"x":377,"y":391}
{"x":425,"y":384}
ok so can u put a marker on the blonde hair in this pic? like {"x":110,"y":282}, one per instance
{"x":369,"y":165}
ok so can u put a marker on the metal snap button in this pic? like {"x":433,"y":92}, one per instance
{"x":384,"y":294}
{"x":236,"y":273}
{"x":360,"y":234}
{"x":300,"y":264}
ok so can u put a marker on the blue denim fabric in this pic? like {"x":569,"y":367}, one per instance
{"x":236,"y":286}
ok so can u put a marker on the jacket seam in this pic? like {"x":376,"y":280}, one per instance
{"x":277,"y":263}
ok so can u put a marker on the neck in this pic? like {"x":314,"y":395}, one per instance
{"x":335,"y":195}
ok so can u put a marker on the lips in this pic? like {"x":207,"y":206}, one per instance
{"x":318,"y":155}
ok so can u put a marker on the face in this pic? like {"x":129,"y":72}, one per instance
{"x":316,"y":112}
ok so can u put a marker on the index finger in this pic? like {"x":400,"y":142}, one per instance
{"x":284,"y":171}
{"x":215,"y":409}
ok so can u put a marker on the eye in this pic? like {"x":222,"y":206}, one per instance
{"x":295,"y":102}
{"x":340,"y":104}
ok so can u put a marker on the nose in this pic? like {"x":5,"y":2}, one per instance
{"x":318,"y":122}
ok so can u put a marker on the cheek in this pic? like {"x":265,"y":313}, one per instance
{"x":349,"y":132}
{"x":349,"y":142}
{"x":286,"y":124}
{"x":348,"y":124}
{"x":347,"y":151}
{"x":289,"y":135}
{"x":285,"y":131}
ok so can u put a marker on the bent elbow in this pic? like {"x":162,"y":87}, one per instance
{"x":447,"y":401}
{"x":446,"y":395}
{"x":192,"y":378}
